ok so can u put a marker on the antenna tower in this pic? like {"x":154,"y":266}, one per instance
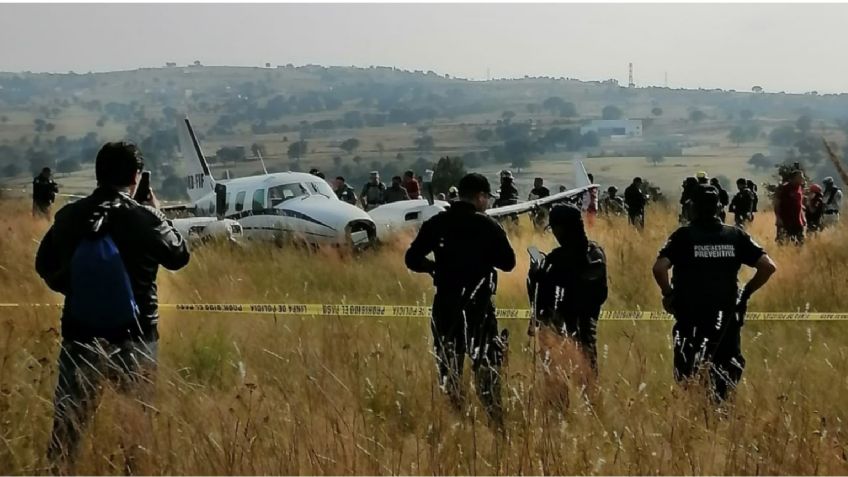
{"x":630,"y":83}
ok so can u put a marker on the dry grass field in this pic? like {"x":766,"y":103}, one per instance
{"x":243,"y":394}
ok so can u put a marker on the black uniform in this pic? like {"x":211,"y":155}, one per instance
{"x":508,"y":193}
{"x":345,"y":193}
{"x":44,"y":192}
{"x":742,"y":207}
{"x":636,"y":201}
{"x":724,"y":200}
{"x":395,"y":194}
{"x":567,"y":291}
{"x":468,"y":246}
{"x":539,"y":193}
{"x":706,"y":258}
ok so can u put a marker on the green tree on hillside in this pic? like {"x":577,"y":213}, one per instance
{"x":297,"y":149}
{"x":759,"y":161}
{"x":657,"y":111}
{"x":349,"y":145}
{"x":804,"y":123}
{"x":611,"y":112}
{"x":424,"y":143}
{"x":696,"y":116}
{"x":448,"y":172}
{"x":737,"y":135}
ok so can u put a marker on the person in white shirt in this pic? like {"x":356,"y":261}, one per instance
{"x":832,"y":202}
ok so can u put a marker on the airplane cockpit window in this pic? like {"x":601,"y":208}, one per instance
{"x":259,"y":200}
{"x":322,"y":188}
{"x":282,"y":193}
{"x":240,"y":201}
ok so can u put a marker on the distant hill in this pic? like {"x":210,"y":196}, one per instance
{"x":299,"y":117}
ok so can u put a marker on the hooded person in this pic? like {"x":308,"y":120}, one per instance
{"x":569,"y":286}
{"x":814,"y":208}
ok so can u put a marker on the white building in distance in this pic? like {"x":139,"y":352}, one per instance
{"x":614,"y":127}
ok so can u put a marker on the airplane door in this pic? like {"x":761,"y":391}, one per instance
{"x":220,"y":200}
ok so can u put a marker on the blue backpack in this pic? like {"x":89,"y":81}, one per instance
{"x":101,"y":299}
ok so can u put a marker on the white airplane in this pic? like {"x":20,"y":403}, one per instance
{"x":304,"y":207}
{"x":287,"y":205}
{"x":405,"y":214}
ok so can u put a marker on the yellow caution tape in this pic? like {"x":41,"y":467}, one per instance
{"x":403,"y":311}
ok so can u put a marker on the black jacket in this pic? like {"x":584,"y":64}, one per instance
{"x":635,"y":199}
{"x":44,"y":190}
{"x":144,"y":237}
{"x":467,"y":245}
{"x":569,"y":284}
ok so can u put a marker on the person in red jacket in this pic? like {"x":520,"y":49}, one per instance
{"x":789,"y":209}
{"x":413,"y":188}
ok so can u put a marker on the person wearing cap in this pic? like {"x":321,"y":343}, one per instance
{"x":832,"y":197}
{"x":411,"y":184}
{"x":636,"y":201}
{"x":814,"y":208}
{"x":373,"y":193}
{"x":508,"y":193}
{"x":789,"y":209}
{"x":702,"y":178}
{"x":613,"y":204}
{"x":703,"y":295}
{"x":468,"y":247}
{"x":395,"y":192}
{"x":569,"y":286}
{"x":344,"y":191}
{"x":44,"y":192}
{"x":742,"y":205}
{"x":453,"y":194}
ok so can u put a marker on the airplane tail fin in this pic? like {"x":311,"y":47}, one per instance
{"x":199,"y":181}
{"x":581,"y":177}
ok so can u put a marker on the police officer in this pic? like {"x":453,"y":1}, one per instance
{"x":704,"y":297}
{"x":344,"y":191}
{"x":373,"y":193}
{"x":568,"y":288}
{"x":44,"y":191}
{"x":742,"y":205}
{"x":613,"y":204}
{"x":468,"y":246}
{"x":539,"y":190}
{"x":636,"y":201}
{"x":508,"y":194}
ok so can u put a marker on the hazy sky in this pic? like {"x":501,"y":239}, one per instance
{"x":794,"y":48}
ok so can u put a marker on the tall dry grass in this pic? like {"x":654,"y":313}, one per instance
{"x":247,"y":394}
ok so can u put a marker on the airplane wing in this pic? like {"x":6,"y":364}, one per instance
{"x":581,"y":181}
{"x":530,"y":205}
